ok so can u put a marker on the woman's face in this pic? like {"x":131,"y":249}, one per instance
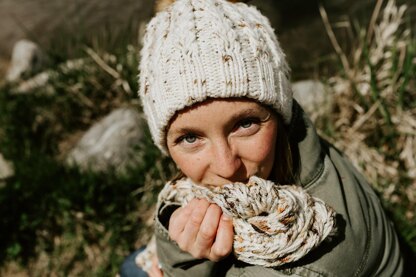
{"x":223,"y":141}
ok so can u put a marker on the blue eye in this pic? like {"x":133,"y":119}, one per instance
{"x":188,"y":138}
{"x":246,"y":124}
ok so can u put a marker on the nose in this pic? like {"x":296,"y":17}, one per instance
{"x":225,"y":161}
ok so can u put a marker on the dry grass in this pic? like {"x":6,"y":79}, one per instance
{"x":374,"y":119}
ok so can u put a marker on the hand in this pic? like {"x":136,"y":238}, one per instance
{"x":155,"y":270}
{"x":201,"y":229}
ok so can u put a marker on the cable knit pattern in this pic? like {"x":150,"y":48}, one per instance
{"x":273,"y":224}
{"x":200,"y":49}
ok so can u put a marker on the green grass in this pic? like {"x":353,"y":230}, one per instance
{"x":60,"y":219}
{"x":50,"y":208}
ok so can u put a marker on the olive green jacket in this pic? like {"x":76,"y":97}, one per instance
{"x":366,"y":244}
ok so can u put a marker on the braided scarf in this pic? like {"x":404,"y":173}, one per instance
{"x":273,"y":224}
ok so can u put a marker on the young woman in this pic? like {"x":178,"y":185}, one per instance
{"x":215,"y":89}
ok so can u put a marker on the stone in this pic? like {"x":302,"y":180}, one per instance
{"x":27,"y":58}
{"x":41,"y":80}
{"x":313,"y":96}
{"x":111,"y":144}
{"x":6,"y":169}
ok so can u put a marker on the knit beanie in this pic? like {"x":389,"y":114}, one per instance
{"x":202,"y":49}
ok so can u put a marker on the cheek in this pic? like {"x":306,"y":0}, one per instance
{"x":260,"y":152}
{"x":266,"y":150}
{"x":190,"y":164}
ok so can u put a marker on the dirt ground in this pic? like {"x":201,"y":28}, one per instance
{"x":297,"y":22}
{"x":39,"y":20}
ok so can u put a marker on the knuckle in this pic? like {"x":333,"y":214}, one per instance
{"x":183,"y":245}
{"x":192,"y":204}
{"x":182,"y":211}
{"x":214,"y":258}
{"x":196,"y":218}
{"x":207,"y":233}
{"x":221,"y":251}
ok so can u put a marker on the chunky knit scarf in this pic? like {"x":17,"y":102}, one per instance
{"x":273,"y":224}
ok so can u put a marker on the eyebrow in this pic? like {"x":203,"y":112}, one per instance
{"x":250,"y":112}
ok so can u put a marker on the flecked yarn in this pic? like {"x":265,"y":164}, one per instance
{"x":200,"y":49}
{"x":273,"y":224}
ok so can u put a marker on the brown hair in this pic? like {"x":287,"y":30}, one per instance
{"x":283,"y":168}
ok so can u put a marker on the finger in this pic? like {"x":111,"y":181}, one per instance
{"x":155,"y":270}
{"x":177,"y":222}
{"x":179,"y":218}
{"x":223,"y":244}
{"x":208,"y":229}
{"x":188,"y":236}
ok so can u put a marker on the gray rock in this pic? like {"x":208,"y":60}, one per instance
{"x":27,"y":58}
{"x":6,"y":169}
{"x":42,"y":79}
{"x":111,"y":144}
{"x":313,"y":96}
{"x":37,"y":81}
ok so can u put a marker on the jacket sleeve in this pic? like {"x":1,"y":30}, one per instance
{"x":173,"y":260}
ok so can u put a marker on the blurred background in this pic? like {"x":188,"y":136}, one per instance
{"x":79,"y":174}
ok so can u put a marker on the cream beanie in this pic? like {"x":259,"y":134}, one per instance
{"x":200,"y":49}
